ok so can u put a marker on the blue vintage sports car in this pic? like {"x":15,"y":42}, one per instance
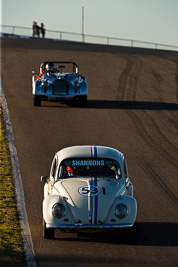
{"x":55,"y":84}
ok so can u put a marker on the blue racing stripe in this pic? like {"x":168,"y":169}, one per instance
{"x":96,"y":203}
{"x":95,"y":152}
{"x":94,"y":199}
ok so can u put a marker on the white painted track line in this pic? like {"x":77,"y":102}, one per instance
{"x":23,"y":218}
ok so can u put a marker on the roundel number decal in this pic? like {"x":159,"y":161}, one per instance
{"x":89,"y":191}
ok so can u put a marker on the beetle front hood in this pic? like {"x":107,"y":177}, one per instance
{"x":89,"y":199}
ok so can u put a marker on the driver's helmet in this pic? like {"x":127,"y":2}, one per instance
{"x":69,"y":171}
{"x":50,"y":67}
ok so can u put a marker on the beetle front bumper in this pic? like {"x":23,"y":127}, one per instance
{"x":87,"y":227}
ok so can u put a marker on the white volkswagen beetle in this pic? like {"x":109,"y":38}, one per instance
{"x":88,"y":190}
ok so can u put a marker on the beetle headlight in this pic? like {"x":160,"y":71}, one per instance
{"x":58,"y":210}
{"x":121,"y":211}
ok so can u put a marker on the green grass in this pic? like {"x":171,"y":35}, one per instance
{"x":11,"y":243}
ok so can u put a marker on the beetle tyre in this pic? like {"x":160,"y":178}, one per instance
{"x":47,"y":233}
{"x":130,"y":234}
{"x":37,"y":100}
{"x":126,"y":235}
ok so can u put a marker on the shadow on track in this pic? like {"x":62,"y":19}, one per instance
{"x":115,"y":104}
{"x":148,"y":234}
{"x":135,"y":105}
{"x":157,"y":234}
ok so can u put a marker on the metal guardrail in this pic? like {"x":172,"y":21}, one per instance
{"x":87,"y":38}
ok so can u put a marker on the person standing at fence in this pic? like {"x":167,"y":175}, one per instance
{"x":35,"y":29}
{"x":42,"y":29}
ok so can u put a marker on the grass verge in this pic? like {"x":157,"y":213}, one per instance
{"x":11,"y":243}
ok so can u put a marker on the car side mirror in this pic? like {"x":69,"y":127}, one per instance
{"x":34,"y":72}
{"x":44,"y":179}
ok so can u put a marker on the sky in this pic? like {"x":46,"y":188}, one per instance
{"x":145,"y":20}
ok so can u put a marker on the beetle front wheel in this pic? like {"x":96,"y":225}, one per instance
{"x":47,"y":233}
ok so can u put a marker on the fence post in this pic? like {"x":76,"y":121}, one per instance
{"x":83,"y":38}
{"x":107,"y":40}
{"x":13,"y":29}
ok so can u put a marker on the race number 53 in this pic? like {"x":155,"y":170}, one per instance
{"x":90,"y":191}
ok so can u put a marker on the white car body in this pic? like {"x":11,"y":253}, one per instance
{"x":90,"y":201}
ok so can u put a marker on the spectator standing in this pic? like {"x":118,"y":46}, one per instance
{"x":34,"y":28}
{"x":37,"y":30}
{"x":42,"y":29}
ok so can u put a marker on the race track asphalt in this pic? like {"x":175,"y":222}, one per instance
{"x":133,"y":107}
